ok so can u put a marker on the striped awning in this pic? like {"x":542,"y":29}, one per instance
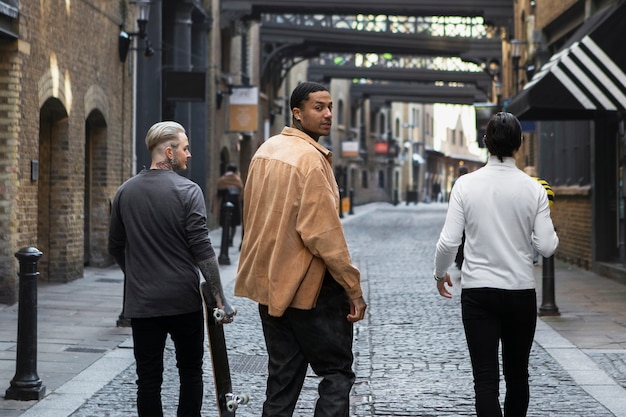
{"x":585,"y":78}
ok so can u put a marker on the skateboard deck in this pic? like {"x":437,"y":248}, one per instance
{"x":227,"y":402}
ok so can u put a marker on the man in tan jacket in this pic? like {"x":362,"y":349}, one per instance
{"x":295,"y":261}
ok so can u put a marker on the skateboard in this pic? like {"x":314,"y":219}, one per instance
{"x":227,"y":402}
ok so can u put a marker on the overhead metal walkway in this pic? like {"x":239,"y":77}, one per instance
{"x":286,"y":39}
{"x":326,"y":72}
{"x":381,"y":94}
{"x":495,"y":12}
{"x":296,"y":30}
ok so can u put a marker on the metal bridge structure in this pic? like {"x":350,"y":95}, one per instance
{"x":297,"y":30}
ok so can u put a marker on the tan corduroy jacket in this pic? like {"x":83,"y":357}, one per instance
{"x":292,"y":227}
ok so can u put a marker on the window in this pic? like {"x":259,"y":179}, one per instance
{"x":373,"y":120}
{"x":354,"y":116}
{"x":564,"y":152}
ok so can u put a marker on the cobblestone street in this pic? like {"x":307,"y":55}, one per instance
{"x":410,"y":353}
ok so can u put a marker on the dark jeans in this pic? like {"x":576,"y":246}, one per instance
{"x":149,"y":337}
{"x":492,"y":315}
{"x":321,"y":337}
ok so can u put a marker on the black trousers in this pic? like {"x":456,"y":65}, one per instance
{"x":149,"y":336}
{"x":491,"y":315}
{"x":321,"y":337}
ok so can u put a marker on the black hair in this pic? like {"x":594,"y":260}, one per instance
{"x":503,"y":135}
{"x":301,"y":93}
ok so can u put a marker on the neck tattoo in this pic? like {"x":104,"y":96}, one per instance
{"x":164,"y":165}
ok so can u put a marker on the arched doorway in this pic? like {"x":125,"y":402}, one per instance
{"x":53,"y":191}
{"x":96,"y":202}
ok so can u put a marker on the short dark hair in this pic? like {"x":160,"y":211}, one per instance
{"x":301,"y":93}
{"x":503,"y":135}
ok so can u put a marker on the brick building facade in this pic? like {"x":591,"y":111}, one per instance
{"x":65,"y":116}
{"x":571,"y":215}
{"x":576,"y":143}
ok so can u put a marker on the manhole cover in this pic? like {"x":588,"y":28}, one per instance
{"x":250,"y":364}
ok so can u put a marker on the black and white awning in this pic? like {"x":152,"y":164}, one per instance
{"x":586,"y":78}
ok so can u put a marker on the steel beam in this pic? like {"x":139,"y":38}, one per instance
{"x":310,"y":39}
{"x":495,"y":12}
{"x":416,"y":93}
{"x":317,"y":72}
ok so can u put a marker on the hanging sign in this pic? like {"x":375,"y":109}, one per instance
{"x":244,"y":112}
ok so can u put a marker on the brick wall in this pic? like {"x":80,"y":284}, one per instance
{"x":61,"y":76}
{"x":10,"y":81}
{"x":571,"y":215}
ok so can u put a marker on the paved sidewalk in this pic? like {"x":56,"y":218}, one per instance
{"x":80,"y":349}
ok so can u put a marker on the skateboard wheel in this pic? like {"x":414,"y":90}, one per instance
{"x":243,"y":399}
{"x":219,"y":314}
{"x":231,"y":405}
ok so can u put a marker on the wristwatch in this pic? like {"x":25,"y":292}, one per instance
{"x":438,"y":278}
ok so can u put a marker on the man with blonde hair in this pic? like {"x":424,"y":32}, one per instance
{"x":159,"y":237}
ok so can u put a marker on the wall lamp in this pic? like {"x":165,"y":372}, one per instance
{"x":125,"y":38}
{"x":219,"y":97}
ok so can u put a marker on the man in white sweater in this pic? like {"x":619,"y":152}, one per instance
{"x":504,"y":214}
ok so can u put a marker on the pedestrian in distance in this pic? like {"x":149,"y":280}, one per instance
{"x":436,"y":192}
{"x":295,"y":261}
{"x":158,"y":235}
{"x":229,"y":190}
{"x":505,"y":214}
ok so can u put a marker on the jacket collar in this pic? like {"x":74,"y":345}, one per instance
{"x":292,"y":131}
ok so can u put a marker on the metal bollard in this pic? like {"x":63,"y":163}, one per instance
{"x":548,"y":306}
{"x":351,"y":200}
{"x":396,"y":200}
{"x":341,"y":203}
{"x":224,"y":259}
{"x":26,"y":384}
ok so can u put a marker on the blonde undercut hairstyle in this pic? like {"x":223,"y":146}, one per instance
{"x":161,"y":132}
